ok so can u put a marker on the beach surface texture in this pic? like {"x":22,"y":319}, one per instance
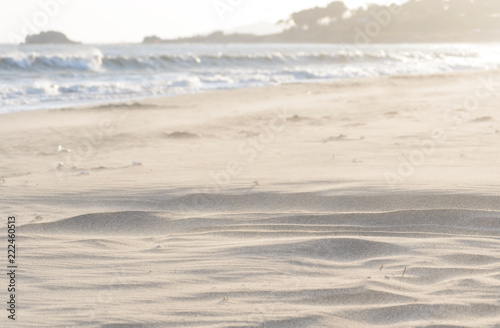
{"x":357,"y":203}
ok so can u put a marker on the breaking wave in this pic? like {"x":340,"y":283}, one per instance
{"x":40,"y":76}
{"x":98,"y":61}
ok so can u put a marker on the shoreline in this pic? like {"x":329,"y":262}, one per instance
{"x":260,"y":207}
{"x":358,"y":132}
{"x":97,"y":103}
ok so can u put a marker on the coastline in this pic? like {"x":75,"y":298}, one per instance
{"x":261,"y":207}
{"x":316,"y":137}
{"x":326,"y":110}
{"x":69,"y":76}
{"x":148,"y":99}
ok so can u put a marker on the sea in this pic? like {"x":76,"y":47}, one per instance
{"x":54,"y":76}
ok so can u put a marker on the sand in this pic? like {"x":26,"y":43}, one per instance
{"x":360,"y":203}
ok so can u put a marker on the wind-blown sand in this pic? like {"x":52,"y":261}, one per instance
{"x":347,"y":204}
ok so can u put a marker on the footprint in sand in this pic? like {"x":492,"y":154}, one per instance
{"x":483,"y":119}
{"x":182,"y":135}
{"x":337,"y":138}
{"x":295,"y":118}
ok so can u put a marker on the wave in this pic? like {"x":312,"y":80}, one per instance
{"x":53,"y":76}
{"x":35,"y":62}
{"x":97,"y":61}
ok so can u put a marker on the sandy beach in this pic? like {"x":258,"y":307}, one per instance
{"x":357,"y":203}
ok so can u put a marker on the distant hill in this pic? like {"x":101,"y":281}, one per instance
{"x":412,"y":21}
{"x":48,"y":37}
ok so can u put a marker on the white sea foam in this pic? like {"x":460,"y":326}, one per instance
{"x":34,"y":77}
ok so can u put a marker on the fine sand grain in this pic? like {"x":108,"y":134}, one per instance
{"x":351,"y":204}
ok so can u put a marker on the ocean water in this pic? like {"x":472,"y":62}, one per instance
{"x":51,"y":76}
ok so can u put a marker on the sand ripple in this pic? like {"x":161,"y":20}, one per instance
{"x":398,"y":268}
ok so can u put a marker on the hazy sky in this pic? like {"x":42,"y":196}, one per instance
{"x":102,"y":21}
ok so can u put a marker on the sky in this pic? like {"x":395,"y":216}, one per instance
{"x":122,"y":21}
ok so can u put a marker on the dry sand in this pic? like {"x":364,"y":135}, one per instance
{"x":348,"y":204}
